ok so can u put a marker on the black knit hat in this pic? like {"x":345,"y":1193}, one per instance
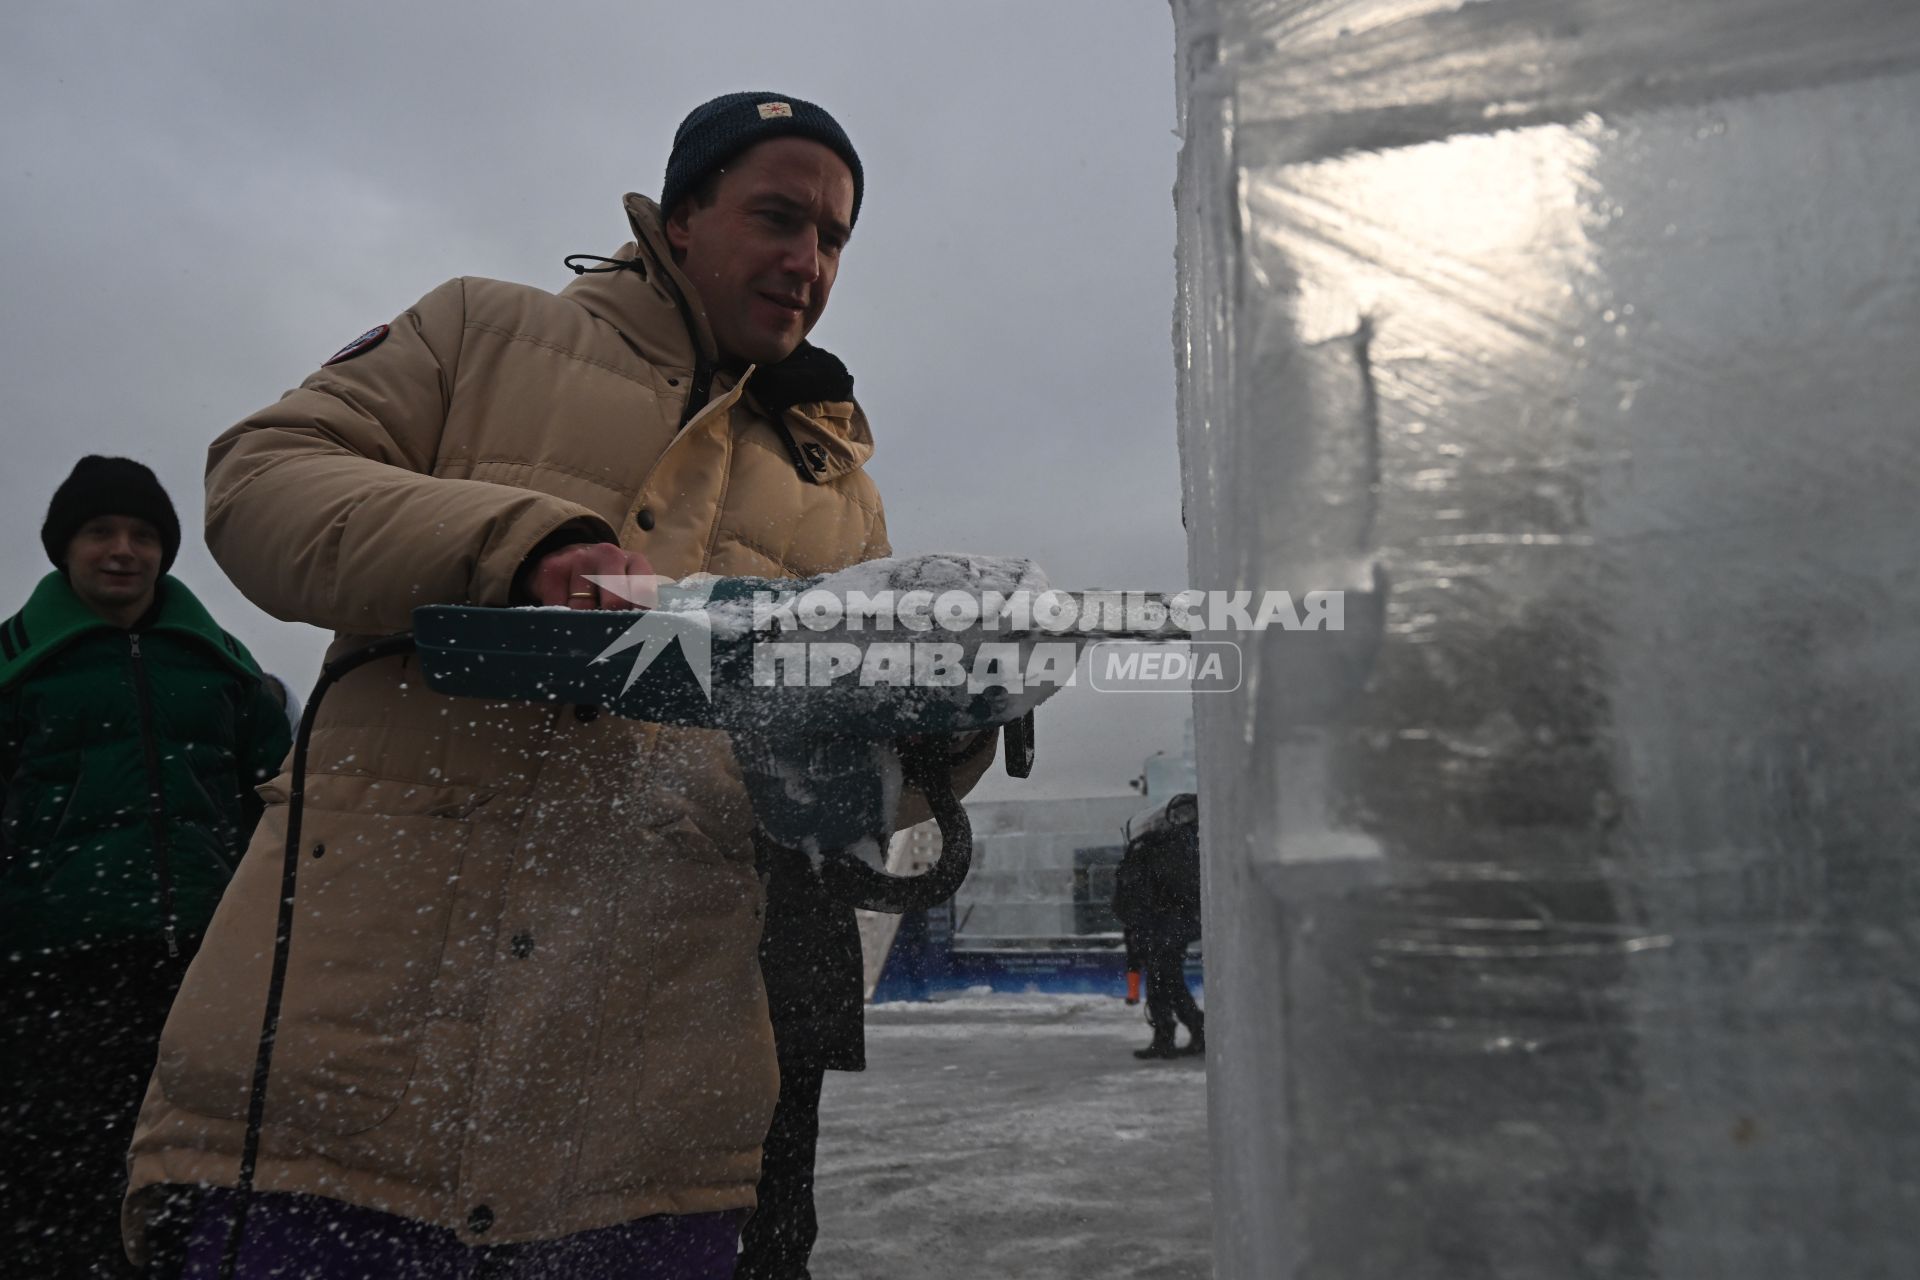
{"x":717,"y":131}
{"x":108,"y":487}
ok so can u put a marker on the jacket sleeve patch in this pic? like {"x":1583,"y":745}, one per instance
{"x":360,"y":345}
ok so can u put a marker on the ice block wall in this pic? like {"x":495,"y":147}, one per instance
{"x":1563,"y":912}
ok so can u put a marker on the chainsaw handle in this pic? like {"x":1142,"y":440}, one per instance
{"x":1018,"y":737}
{"x":849,"y":880}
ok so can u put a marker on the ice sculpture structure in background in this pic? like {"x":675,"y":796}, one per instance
{"x":1564,"y":911}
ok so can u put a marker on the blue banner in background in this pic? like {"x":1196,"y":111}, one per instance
{"x":925,"y":963}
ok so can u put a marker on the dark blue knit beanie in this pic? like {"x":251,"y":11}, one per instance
{"x":717,"y":131}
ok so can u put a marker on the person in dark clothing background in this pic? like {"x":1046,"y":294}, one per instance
{"x":1156,"y":897}
{"x":132,"y":733}
{"x":810,"y":963}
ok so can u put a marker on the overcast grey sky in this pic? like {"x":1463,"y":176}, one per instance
{"x":203,"y":201}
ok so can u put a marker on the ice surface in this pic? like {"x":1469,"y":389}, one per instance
{"x":1013,"y":1138}
{"x":939,"y":572}
{"x":1562,"y":914}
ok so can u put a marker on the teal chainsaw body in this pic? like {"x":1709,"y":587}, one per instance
{"x":825,"y":749}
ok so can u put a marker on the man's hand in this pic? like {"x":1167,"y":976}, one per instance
{"x":560,"y":577}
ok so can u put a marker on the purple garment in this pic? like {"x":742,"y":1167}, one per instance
{"x":300,"y":1237}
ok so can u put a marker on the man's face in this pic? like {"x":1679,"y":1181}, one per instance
{"x":114,"y":561}
{"x":764,"y":253}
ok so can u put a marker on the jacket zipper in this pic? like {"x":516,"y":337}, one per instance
{"x":702,"y":389}
{"x":156,"y":799}
{"x":700,"y":392}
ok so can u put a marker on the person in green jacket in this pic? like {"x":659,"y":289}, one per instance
{"x":133,"y":731}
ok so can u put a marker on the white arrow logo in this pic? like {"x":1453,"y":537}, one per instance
{"x":681,"y":616}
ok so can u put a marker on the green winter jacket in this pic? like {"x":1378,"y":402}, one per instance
{"x":128,"y":760}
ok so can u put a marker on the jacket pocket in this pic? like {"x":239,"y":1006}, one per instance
{"x":36,"y":824}
{"x":56,"y":820}
{"x":370,"y":924}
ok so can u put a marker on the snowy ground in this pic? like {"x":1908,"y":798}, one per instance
{"x":1013,"y":1138}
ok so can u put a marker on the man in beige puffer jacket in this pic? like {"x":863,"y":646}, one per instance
{"x":523,"y":1006}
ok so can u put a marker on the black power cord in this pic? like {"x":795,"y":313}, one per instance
{"x":283,"y":934}
{"x":928,"y":770}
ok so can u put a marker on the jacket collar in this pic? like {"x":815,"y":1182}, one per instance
{"x":645,"y":303}
{"x":832,"y":436}
{"x":54,"y":617}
